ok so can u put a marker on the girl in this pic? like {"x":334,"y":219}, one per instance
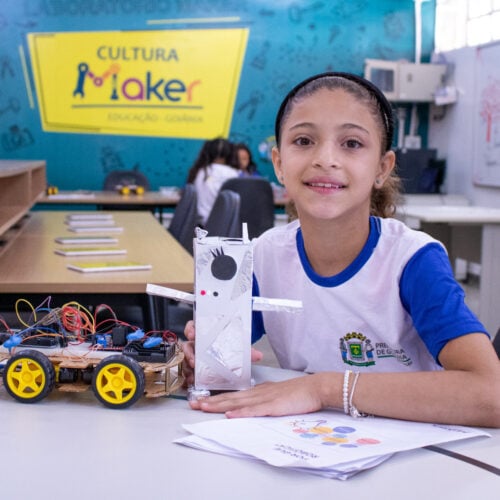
{"x":384,"y":329}
{"x":247,"y":165}
{"x":214,"y":165}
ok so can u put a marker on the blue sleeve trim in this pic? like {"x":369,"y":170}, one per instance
{"x":434,"y":299}
{"x":257,"y":318}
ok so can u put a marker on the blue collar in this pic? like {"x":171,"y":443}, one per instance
{"x":352,"y":269}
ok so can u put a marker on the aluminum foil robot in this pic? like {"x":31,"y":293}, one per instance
{"x":223,"y":306}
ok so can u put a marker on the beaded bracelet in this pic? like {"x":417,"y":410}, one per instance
{"x":353,"y":411}
{"x":345,"y":391}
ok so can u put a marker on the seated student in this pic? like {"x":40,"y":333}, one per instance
{"x":384,"y":328}
{"x":214,"y":165}
{"x":248,"y":167}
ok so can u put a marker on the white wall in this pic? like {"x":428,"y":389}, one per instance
{"x":453,"y":134}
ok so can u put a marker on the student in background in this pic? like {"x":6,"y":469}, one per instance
{"x":384,"y":328}
{"x":248,"y":167}
{"x":214,"y":165}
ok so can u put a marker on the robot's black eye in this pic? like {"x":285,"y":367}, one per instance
{"x":223,"y":266}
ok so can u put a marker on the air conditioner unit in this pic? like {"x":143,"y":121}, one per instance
{"x":405,"y":82}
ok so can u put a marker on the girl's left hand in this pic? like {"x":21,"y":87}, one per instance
{"x":290,"y":397}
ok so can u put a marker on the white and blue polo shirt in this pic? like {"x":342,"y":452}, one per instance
{"x":392,"y":309}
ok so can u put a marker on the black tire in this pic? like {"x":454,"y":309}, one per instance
{"x":118,"y":381}
{"x":29,"y":376}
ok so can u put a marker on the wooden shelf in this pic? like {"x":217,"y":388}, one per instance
{"x":22,"y":182}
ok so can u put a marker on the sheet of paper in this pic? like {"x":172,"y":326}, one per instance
{"x":100,"y":267}
{"x":89,"y":216}
{"x":95,"y":229}
{"x":342,"y":471}
{"x":326,"y":442}
{"x":78,"y":251}
{"x":85,"y":240}
{"x":90,"y":222}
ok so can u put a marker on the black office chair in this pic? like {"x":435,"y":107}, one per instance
{"x":181,"y":227}
{"x":118,"y":178}
{"x":496,"y":343}
{"x":256,"y":205}
{"x":224,"y":218}
{"x":185,"y":218}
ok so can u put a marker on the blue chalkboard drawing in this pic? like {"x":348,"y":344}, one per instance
{"x":6,"y":67}
{"x":251,"y":104}
{"x":16,"y":138}
{"x":110,"y":160}
{"x":297,"y":13}
{"x":12,"y":105}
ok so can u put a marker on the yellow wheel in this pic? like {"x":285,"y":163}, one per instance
{"x":29,"y":376}
{"x":118,"y":381}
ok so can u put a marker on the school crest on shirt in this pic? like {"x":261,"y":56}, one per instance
{"x":356,"y":349}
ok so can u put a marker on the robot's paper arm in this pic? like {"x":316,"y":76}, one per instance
{"x":286,"y":305}
{"x":170,"y":293}
{"x":258,"y":303}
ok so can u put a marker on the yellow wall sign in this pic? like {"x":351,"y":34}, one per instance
{"x":179,"y":83}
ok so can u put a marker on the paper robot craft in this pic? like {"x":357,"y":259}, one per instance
{"x":223,"y":306}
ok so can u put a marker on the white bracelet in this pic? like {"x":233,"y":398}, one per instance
{"x":345,"y":391}
{"x":353,"y":411}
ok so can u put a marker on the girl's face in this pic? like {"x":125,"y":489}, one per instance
{"x":243,"y":158}
{"x":330,"y":156}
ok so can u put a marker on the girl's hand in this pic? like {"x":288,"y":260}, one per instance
{"x":295,"y":396}
{"x":188,"y":350}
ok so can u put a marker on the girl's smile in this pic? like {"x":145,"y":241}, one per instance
{"x":324,"y":186}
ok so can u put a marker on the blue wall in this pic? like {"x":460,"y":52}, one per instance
{"x":289,"y":40}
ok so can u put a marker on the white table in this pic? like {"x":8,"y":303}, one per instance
{"x":70,"y":446}
{"x":471,"y":233}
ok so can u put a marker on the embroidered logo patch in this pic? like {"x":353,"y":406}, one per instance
{"x":356,"y":349}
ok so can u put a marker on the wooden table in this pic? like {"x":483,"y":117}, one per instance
{"x":155,"y":201}
{"x":152,"y":199}
{"x":29,"y":268}
{"x":471,"y":233}
{"x":104,"y":198}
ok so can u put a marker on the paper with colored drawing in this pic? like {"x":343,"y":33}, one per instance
{"x":327,"y":442}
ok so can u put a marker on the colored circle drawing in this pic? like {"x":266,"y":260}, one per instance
{"x":321,"y":430}
{"x":344,"y":429}
{"x":367,"y":441}
{"x":341,"y":435}
{"x":335,"y":439}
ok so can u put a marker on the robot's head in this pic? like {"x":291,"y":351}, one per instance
{"x":223,"y":266}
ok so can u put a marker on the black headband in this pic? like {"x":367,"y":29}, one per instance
{"x":383,"y":103}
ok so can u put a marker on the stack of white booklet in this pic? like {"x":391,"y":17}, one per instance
{"x":327,"y":443}
{"x":92,"y":223}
